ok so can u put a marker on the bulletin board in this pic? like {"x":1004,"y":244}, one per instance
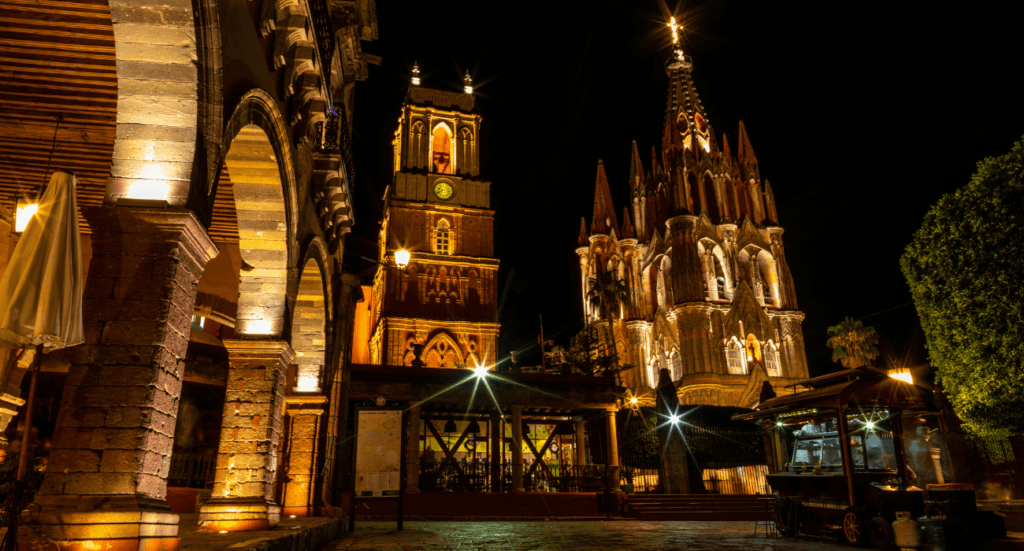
{"x":378,"y":453}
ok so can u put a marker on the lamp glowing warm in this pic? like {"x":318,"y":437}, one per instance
{"x":402,"y":258}
{"x":634,"y":400}
{"x":903,"y":374}
{"x":870,"y":425}
{"x":480,"y":371}
{"x":28,"y":205}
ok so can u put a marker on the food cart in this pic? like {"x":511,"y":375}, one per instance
{"x":846,"y":469}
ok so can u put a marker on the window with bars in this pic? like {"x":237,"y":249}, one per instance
{"x":771,"y":361}
{"x":442,"y":243}
{"x":734,"y":359}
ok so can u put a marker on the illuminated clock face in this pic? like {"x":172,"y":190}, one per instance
{"x":443,"y":190}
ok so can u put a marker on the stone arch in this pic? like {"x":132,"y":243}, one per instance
{"x":443,"y":351}
{"x":735,"y":358}
{"x":259,"y":161}
{"x":441,"y":158}
{"x":772,"y":362}
{"x":309,"y":327}
{"x":762,"y":274}
{"x":718,"y":278}
{"x":157,"y":107}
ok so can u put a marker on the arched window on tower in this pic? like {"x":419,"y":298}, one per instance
{"x":442,"y":150}
{"x":734,"y":357}
{"x":676,"y":362}
{"x":442,"y":238}
{"x":771,"y":360}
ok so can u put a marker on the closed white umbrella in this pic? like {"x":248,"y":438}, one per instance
{"x":41,"y":291}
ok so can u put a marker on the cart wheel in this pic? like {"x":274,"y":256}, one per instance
{"x":854,"y":529}
{"x":786,"y":520}
{"x":880,"y":533}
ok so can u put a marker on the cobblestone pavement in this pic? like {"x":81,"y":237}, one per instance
{"x":576,"y":535}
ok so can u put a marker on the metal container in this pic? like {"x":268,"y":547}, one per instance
{"x":905,"y":532}
{"x":933,"y":537}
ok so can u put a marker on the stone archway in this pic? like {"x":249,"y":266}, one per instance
{"x":259,"y":164}
{"x":309,"y":326}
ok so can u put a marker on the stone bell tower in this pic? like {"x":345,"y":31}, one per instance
{"x":439,"y":210}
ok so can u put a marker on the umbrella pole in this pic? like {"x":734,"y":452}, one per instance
{"x":27,"y":435}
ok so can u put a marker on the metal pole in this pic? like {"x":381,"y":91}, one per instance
{"x":27,"y":435}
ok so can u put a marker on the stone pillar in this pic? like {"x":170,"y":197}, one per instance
{"x":243,"y":488}
{"x":581,"y":444}
{"x":107,"y":474}
{"x":517,"y":450}
{"x":302,"y":428}
{"x":347,"y":293}
{"x":412,"y":460}
{"x":613,"y":453}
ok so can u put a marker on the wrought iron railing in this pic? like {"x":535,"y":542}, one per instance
{"x":190,"y":470}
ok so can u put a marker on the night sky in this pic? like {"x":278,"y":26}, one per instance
{"x":861,"y":115}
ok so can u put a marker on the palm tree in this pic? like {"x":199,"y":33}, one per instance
{"x":852,"y":344}
{"x":607,"y":292}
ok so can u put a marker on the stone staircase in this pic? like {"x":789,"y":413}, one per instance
{"x":692,"y":507}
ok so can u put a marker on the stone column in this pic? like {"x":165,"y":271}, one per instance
{"x":412,"y":461}
{"x":613,"y":453}
{"x":347,"y":293}
{"x":517,"y":450}
{"x":302,"y":428}
{"x":243,"y":488}
{"x":106,"y":479}
{"x":581,"y":449}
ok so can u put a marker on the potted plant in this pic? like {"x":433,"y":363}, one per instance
{"x":627,"y":473}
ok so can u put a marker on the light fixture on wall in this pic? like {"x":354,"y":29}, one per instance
{"x":402,"y":257}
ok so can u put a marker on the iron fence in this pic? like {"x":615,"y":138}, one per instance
{"x":189,"y":470}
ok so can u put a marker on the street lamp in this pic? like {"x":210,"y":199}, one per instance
{"x":674,"y":419}
{"x":402,"y":258}
{"x":480,"y":371}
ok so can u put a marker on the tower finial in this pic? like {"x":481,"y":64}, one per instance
{"x":675,"y":30}
{"x":415,"y":73}
{"x":467,"y":83}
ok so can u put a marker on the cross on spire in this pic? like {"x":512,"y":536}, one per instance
{"x":675,"y":28}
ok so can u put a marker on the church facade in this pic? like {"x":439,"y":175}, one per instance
{"x":444,"y":303}
{"x":693,"y":277}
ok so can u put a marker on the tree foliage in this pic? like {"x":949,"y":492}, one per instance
{"x":965,"y":268}
{"x":590,"y":354}
{"x":607,"y":292}
{"x":852,"y":344}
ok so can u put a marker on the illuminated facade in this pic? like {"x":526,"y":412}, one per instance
{"x":699,"y":252}
{"x":212,"y":152}
{"x":440,"y":211}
